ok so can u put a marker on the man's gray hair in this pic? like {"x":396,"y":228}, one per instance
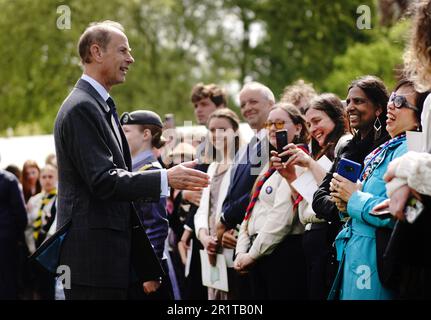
{"x":266,"y":92}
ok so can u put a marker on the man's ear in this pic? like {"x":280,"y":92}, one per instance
{"x":96,"y":52}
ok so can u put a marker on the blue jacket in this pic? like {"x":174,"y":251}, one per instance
{"x":13,"y":215}
{"x":153,"y":215}
{"x":357,"y":277}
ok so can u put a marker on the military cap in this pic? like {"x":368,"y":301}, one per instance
{"x":143,"y":117}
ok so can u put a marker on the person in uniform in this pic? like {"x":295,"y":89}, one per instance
{"x":143,"y":130}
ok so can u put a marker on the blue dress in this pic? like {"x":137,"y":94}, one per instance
{"x":357,"y":277}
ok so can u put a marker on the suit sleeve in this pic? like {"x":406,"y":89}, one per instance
{"x":234,"y":209}
{"x":18,"y":206}
{"x":83,"y":135}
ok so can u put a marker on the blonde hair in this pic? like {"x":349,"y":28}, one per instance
{"x":417,"y":57}
{"x":299,"y":91}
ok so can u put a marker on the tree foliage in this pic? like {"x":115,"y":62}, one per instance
{"x":177,"y":43}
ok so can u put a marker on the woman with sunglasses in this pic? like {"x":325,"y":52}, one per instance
{"x":357,"y":276}
{"x":366,"y":102}
{"x":269,"y":244}
{"x":410,"y":175}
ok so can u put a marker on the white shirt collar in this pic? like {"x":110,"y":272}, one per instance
{"x":96,"y":85}
{"x":261,"y":134}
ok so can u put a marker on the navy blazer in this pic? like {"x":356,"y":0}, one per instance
{"x":254,"y":156}
{"x":153,"y":215}
{"x":96,"y":190}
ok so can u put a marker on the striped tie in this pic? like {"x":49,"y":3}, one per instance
{"x":257,"y":192}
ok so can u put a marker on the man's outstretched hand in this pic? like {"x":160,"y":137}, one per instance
{"x":183,"y":177}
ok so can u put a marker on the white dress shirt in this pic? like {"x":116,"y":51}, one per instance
{"x":105,"y":95}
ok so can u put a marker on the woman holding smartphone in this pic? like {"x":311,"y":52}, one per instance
{"x":269,"y":243}
{"x":366,"y":101}
{"x":328,"y":125}
{"x":357,"y":276}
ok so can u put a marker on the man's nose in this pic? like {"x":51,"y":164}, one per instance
{"x":130,"y":59}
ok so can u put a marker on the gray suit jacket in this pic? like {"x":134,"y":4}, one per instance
{"x":96,"y":190}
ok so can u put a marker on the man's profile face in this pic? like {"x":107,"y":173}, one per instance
{"x":203,"y":108}
{"x":116,"y":59}
{"x":254,"y":107}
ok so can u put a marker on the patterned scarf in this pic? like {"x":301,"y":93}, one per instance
{"x":372,"y":161}
{"x":37,"y":224}
{"x":256,"y":192}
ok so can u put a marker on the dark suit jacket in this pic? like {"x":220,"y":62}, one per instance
{"x":242,"y":181}
{"x":13,"y":220}
{"x":13,"y":215}
{"x":96,"y":190}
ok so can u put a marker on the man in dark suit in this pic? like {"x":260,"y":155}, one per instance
{"x":256,"y":101}
{"x":96,"y":186}
{"x":13,"y":220}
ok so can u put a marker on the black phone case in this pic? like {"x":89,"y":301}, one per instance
{"x":281,"y":137}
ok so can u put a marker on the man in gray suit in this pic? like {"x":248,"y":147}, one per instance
{"x":96,"y":186}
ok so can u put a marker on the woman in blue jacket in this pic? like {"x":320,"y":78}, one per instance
{"x":357,"y":277}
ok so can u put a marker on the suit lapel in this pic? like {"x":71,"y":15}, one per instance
{"x":244,"y":161}
{"x":121,"y":140}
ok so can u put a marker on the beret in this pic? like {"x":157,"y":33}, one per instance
{"x":143,"y":117}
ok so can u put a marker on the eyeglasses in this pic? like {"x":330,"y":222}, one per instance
{"x":401,"y":101}
{"x":278,"y":124}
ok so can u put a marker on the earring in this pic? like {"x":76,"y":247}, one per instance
{"x":377,"y":128}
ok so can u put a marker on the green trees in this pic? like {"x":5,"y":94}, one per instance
{"x":177,"y":43}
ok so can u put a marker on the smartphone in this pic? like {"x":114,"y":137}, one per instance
{"x":281,"y":137}
{"x":349,"y":169}
{"x":382,"y":214}
{"x":413,"y":209}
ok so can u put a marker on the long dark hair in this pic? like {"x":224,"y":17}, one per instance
{"x":377,"y":93}
{"x":330,"y":104}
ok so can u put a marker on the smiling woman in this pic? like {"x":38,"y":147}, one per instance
{"x":404,"y":109}
{"x":357,"y":242}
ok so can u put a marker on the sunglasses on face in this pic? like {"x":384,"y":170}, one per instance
{"x":278,"y":125}
{"x":401,"y":102}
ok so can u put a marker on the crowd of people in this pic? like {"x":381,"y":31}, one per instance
{"x":281,"y":222}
